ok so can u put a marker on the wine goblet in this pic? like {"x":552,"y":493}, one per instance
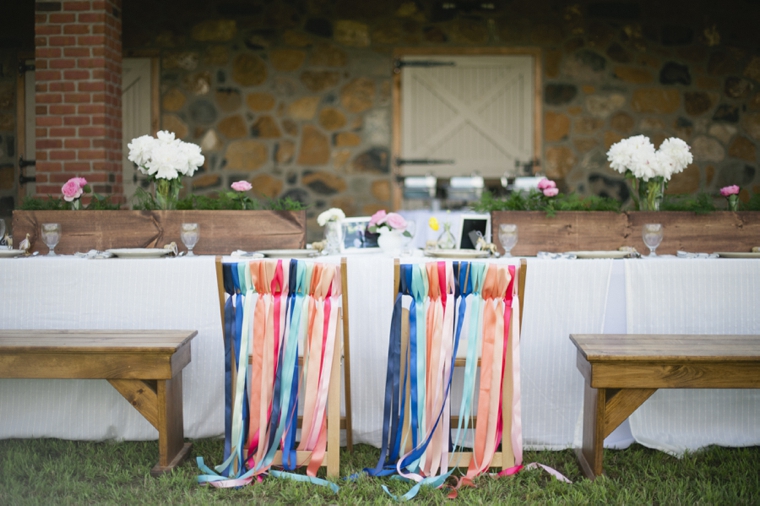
{"x":51,"y":234}
{"x":508,"y":237}
{"x":2,"y":231}
{"x":190,"y":233}
{"x":411,"y":228}
{"x":652,"y":235}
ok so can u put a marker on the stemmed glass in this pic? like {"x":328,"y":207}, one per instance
{"x":652,"y":235}
{"x":51,"y":234}
{"x":411,"y":227}
{"x":190,"y":233}
{"x":508,"y":237}
{"x":2,"y":230}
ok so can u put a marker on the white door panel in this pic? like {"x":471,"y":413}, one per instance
{"x":477,"y":113}
{"x":135,"y":112}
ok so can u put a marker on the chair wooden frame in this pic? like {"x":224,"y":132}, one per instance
{"x":332,"y":454}
{"x":503,"y":458}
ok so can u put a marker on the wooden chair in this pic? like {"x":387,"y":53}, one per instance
{"x":332,"y":455}
{"x":504,"y":458}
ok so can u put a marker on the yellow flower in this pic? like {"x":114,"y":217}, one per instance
{"x":433,"y":223}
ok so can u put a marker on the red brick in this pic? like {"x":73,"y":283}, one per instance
{"x":92,"y":132}
{"x":76,"y":98}
{"x":62,"y":40}
{"x":62,"y":86}
{"x":40,"y":42}
{"x":62,"y":155}
{"x":40,"y":132}
{"x":76,"y":6}
{"x":84,"y":63}
{"x":76,"y":52}
{"x":48,"y":52}
{"x":77,"y":167}
{"x":47,"y":75}
{"x":41,"y":87}
{"x":91,"y":40}
{"x":76,"y":74}
{"x":92,"y":109}
{"x":63,"y":63}
{"x":62,"y":109}
{"x":77,"y":143}
{"x":97,"y":177}
{"x":48,"y":144}
{"x":44,"y":29}
{"x":48,"y":98}
{"x":91,"y":86}
{"x":40,"y":110}
{"x":43,"y":121}
{"x":59,"y":17}
{"x":76,"y":120}
{"x":98,"y":98}
{"x":92,"y":17}
{"x":91,"y":154}
{"x":63,"y":132}
{"x":76,"y":29}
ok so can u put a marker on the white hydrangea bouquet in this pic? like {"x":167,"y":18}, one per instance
{"x":165,"y":160}
{"x":649,"y":170}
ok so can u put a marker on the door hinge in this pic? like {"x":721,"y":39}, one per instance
{"x":24,"y":67}
{"x":398,"y":63}
{"x":423,"y":161}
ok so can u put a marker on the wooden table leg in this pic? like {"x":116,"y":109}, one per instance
{"x":172,"y":449}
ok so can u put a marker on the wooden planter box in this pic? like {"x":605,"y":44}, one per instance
{"x":222,"y":232}
{"x":597,"y":230}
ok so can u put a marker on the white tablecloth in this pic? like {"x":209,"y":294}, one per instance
{"x":562,"y":297}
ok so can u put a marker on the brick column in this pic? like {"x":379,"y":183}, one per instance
{"x":78,"y":80}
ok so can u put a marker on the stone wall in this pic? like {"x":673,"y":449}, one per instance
{"x":294,"y":96}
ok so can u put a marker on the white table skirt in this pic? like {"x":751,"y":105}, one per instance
{"x":562,"y":297}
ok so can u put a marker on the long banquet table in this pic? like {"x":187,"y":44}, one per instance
{"x":664,"y":295}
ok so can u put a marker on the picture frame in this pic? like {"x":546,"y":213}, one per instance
{"x":355,"y":234}
{"x":471,"y":224}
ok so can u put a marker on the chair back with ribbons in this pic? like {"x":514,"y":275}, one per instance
{"x":438,"y":307}
{"x":283,"y":320}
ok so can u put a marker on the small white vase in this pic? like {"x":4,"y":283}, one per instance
{"x":334,"y":237}
{"x":391,"y":241}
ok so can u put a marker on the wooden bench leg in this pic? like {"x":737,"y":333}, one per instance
{"x":172,"y":449}
{"x":604,"y":409}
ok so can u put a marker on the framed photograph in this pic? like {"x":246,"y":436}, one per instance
{"x":471,"y":227}
{"x":355,"y":234}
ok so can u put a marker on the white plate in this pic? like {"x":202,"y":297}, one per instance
{"x":738,"y":254}
{"x":139,"y":252}
{"x":10,"y":253}
{"x":600,"y":254}
{"x":289,"y":253}
{"x":456,"y":253}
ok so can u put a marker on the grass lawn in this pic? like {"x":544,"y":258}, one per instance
{"x":51,"y":471}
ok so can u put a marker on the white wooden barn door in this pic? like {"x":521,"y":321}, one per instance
{"x":476,"y":115}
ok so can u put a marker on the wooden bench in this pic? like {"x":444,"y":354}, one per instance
{"x":623,"y":371}
{"x":145,"y":366}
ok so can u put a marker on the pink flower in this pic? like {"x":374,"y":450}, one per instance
{"x":378,"y":218}
{"x":82,"y":182}
{"x":551,"y":192}
{"x":729,"y":190}
{"x":396,"y":221}
{"x":71,"y":190}
{"x":241,"y":186}
{"x":546,"y":183}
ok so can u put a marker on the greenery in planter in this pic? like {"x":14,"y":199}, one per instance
{"x":97,"y":203}
{"x":702,"y":203}
{"x":535,"y":200}
{"x":225,"y":201}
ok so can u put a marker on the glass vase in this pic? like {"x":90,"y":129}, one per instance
{"x":167,"y":193}
{"x":652,"y":192}
{"x":446,"y":240}
{"x":333,"y":237}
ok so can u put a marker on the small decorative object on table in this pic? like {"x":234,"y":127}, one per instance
{"x":652,"y":235}
{"x":508,"y":237}
{"x":392,"y":230}
{"x":165,"y":159}
{"x":732,"y":196}
{"x":51,"y":234}
{"x":648,"y":170}
{"x":332,"y":220}
{"x":447,"y":240}
{"x":190,"y":233}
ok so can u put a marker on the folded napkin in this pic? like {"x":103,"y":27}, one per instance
{"x":546,"y":255}
{"x":93,"y":253}
{"x":686,"y":254}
